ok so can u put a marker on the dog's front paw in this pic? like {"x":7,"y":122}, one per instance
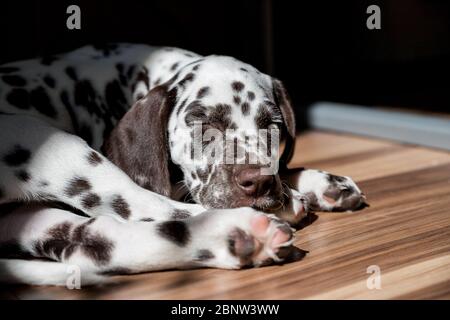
{"x":295,"y":208}
{"x":323,"y":191}
{"x":242,"y":237}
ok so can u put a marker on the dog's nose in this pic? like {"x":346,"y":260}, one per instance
{"x":253,"y":183}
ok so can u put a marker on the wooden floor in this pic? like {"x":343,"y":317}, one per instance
{"x":405,"y":232}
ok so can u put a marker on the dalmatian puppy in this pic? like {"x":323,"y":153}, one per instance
{"x":96,"y":160}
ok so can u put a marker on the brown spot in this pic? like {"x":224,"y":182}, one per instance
{"x":120,"y":206}
{"x":237,"y":86}
{"x":175,"y":231}
{"x":57,"y":240}
{"x":263,"y":117}
{"x":90,"y":201}
{"x":221,"y":114}
{"x":77,"y":186}
{"x":189,"y":77}
{"x":241,"y":245}
{"x":204,"y":255}
{"x":251,"y":95}
{"x":94,"y":158}
{"x":179,"y":214}
{"x":202,"y":92}
{"x":174,"y":66}
{"x":237,"y":99}
{"x":245,"y":108}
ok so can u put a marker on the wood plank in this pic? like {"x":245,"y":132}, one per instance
{"x":406,"y":232}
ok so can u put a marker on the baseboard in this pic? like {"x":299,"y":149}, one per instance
{"x":429,"y":131}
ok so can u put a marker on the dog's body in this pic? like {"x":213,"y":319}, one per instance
{"x":59,"y":113}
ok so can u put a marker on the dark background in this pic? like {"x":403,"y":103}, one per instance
{"x":322,"y":50}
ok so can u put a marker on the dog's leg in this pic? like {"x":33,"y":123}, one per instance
{"x":40,"y":162}
{"x":323,"y":191}
{"x":103,"y":245}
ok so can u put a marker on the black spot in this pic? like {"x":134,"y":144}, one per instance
{"x":204,"y":255}
{"x":120,"y":206}
{"x":49,"y":81}
{"x":237,"y":86}
{"x":263,"y":117}
{"x":202,"y":92}
{"x":115,"y":99}
{"x":175,"y":231}
{"x":120,"y":67}
{"x":174,"y":66}
{"x":147,"y":219}
{"x":65,"y":100}
{"x":85,"y":96}
{"x":41,"y":101}
{"x":17,"y":156}
{"x":245,"y":108}
{"x":48,"y":60}
{"x":90,"y":201}
{"x":195,"y":68}
{"x":23,"y":175}
{"x":94,"y":158}
{"x":19,"y":98}
{"x":14,"y":80}
{"x":77,"y":186}
{"x":8,"y":69}
{"x":70,"y":71}
{"x":179,"y":214}
{"x":251,"y":95}
{"x":237,"y":99}
{"x":243,"y":69}
{"x":130,"y":71}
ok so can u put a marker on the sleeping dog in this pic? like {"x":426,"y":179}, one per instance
{"x":97,"y":154}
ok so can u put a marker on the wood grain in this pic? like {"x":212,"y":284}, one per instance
{"x":406,"y":232}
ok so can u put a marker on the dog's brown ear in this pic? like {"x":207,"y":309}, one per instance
{"x":284,"y":103}
{"x":139,"y":144}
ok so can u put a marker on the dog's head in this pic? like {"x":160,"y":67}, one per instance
{"x":220,"y":121}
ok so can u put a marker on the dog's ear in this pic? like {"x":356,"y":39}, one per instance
{"x":139,"y":144}
{"x":284,"y":103}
